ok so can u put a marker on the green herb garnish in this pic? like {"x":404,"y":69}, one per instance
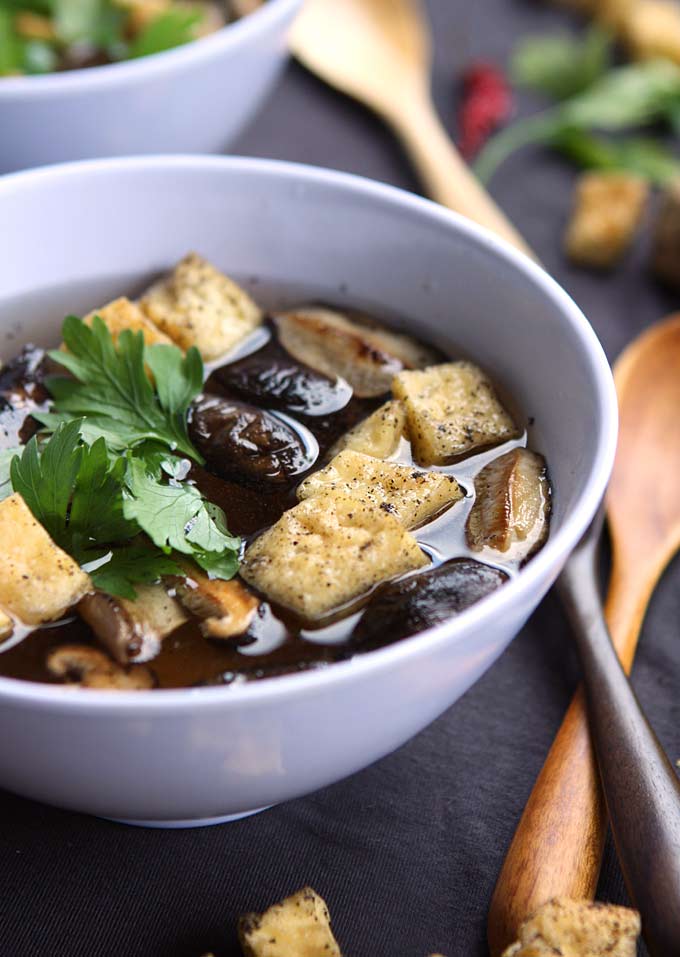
{"x":107,"y":475}
{"x":626,"y":97}
{"x":562,"y":65}
{"x":171,"y":29}
{"x":176,"y":517}
{"x":112,"y":391}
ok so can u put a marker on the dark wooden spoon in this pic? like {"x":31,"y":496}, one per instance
{"x":558,"y":843}
{"x":641,"y":788}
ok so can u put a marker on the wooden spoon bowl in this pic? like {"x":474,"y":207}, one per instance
{"x":557,"y":847}
{"x":378,"y":51}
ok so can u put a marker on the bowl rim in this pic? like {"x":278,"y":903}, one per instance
{"x":554,"y":552}
{"x":155,"y":65}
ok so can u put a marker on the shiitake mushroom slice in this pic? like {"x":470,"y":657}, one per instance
{"x":406,"y":607}
{"x":22,"y":380}
{"x":244,"y":443}
{"x":279,"y":382}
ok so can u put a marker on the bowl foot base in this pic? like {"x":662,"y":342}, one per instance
{"x":189,"y":822}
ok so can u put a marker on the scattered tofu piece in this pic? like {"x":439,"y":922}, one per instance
{"x":197,"y":305}
{"x":666,"y":250}
{"x":327,"y":551}
{"x":651,"y":30}
{"x":366,"y":357}
{"x":225,"y":607}
{"x":90,"y":668}
{"x":300,"y":926}
{"x":6,"y":625}
{"x":412,"y":496}
{"x":607,"y":211}
{"x":451,"y":409}
{"x":512,"y":507}
{"x":38,"y":581}
{"x":132,"y":631}
{"x":578,"y":929}
{"x":379,"y":434}
{"x":122,"y":314}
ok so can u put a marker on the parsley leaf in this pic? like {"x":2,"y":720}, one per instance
{"x":46,"y":479}
{"x":173,"y":28}
{"x":76,"y":493}
{"x":6,"y":456}
{"x":176,"y":516}
{"x":122,"y":568}
{"x":641,"y":155}
{"x":562,"y":65}
{"x":112,"y":390}
{"x":626,"y":97}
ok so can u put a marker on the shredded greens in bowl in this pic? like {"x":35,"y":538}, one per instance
{"x":42,"y":36}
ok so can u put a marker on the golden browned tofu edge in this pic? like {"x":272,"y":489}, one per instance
{"x":38,"y":581}
{"x":122,"y":314}
{"x":378,"y":434}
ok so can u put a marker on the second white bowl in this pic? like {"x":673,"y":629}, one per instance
{"x":194,"y":99}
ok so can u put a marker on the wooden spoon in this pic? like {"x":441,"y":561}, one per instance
{"x":378,"y":51}
{"x":557,"y":847}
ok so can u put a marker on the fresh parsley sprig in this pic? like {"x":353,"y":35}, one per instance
{"x":624,"y":98}
{"x":96,"y":505}
{"x":112,"y":392}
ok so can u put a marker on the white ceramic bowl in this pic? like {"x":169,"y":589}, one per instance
{"x":76,"y":235}
{"x":195,"y":98}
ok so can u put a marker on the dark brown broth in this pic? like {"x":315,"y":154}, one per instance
{"x":277,"y":642}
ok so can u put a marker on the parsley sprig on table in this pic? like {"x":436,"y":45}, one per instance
{"x":114,"y":469}
{"x":614,"y":102}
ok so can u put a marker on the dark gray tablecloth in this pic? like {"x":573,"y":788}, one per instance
{"x":407,"y":852}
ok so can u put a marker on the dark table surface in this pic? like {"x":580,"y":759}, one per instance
{"x":406,"y":853}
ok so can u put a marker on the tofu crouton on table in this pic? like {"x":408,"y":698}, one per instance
{"x":607,"y":210}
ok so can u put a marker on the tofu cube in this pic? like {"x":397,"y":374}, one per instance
{"x":38,"y":581}
{"x":197,"y":305}
{"x":607,"y":211}
{"x":122,"y":314}
{"x":379,"y":434}
{"x":412,"y":496}
{"x":299,"y":926}
{"x":578,"y":929}
{"x":327,"y":551}
{"x":452,"y":409}
{"x":651,"y":30}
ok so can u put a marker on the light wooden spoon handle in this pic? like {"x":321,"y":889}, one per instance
{"x":445,"y":175}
